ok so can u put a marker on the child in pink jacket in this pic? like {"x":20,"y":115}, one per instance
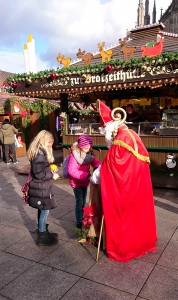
{"x":79,"y":164}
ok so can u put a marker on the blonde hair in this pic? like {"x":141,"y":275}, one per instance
{"x":39,"y":142}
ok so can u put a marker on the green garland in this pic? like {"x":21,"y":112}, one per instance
{"x":159,"y":60}
{"x":83,"y":112}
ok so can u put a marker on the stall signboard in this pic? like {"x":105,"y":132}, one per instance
{"x":145,"y":101}
{"x":115,"y":103}
{"x":114,"y":77}
{"x":125,"y":102}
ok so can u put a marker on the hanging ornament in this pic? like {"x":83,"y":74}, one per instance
{"x":109,"y":68}
{"x":29,"y":81}
{"x":14,"y":85}
{"x":53,"y":76}
{"x":16,"y":107}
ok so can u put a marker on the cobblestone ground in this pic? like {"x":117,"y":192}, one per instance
{"x":68,"y":270}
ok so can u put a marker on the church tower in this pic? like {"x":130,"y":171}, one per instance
{"x":170,"y":17}
{"x":147,"y":16}
{"x":175,"y":5}
{"x":154,"y":13}
{"x":140,"y":14}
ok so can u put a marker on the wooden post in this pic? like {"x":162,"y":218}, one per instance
{"x":99,"y":242}
{"x":64,"y":108}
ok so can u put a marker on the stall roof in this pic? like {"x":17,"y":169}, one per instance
{"x":125,"y":73}
{"x":140,"y":36}
{"x":4,"y":75}
{"x":6,"y":96}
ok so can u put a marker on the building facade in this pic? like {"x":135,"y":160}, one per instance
{"x":170,"y":17}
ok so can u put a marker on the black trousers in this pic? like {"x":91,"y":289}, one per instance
{"x":1,"y":152}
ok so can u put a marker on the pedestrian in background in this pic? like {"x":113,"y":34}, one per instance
{"x":8,"y":132}
{"x":41,"y":197}
{"x":1,"y":143}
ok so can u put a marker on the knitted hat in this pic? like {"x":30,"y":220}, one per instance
{"x":85,"y":141}
{"x":105,"y":113}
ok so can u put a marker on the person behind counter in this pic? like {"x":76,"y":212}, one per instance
{"x":168,"y":105}
{"x":132,"y":115}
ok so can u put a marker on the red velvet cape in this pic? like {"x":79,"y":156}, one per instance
{"x":127,"y":199}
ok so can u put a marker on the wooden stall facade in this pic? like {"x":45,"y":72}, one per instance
{"x":29,"y":117}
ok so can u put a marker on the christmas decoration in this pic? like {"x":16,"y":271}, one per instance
{"x":14,"y":85}
{"x":23,"y":113}
{"x":166,"y":59}
{"x":53,"y":75}
{"x":155,"y":48}
{"x":65,"y":61}
{"x":105,"y":54}
{"x":29,"y":81}
{"x":109,"y":68}
{"x":26,"y":108}
{"x":128,"y":51}
{"x":16,"y":107}
{"x":86,"y":57}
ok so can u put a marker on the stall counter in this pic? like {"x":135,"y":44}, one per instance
{"x":158,"y":146}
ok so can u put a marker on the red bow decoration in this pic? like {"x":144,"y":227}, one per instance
{"x":89,"y":212}
{"x":23,"y":113}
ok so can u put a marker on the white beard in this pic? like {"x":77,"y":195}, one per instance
{"x":108,"y":139}
{"x":108,"y":132}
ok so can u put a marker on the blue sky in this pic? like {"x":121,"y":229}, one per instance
{"x":63,"y":26}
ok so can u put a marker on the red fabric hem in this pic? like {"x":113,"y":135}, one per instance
{"x":126,"y":259}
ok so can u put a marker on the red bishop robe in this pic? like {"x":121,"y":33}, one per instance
{"x":127,"y":198}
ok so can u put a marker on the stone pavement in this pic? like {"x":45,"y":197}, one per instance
{"x":68,"y":270}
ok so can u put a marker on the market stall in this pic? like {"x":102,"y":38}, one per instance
{"x":144,"y":79}
{"x":29,"y":116}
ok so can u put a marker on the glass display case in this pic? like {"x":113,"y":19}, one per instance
{"x":149,"y":128}
{"x":168,"y":126}
{"x":88,"y":128}
{"x":146,"y":128}
{"x":169,"y":122}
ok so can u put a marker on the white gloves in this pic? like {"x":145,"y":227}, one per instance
{"x":95,"y":178}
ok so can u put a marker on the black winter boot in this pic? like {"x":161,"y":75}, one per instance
{"x":44,"y":239}
{"x":51,"y":234}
